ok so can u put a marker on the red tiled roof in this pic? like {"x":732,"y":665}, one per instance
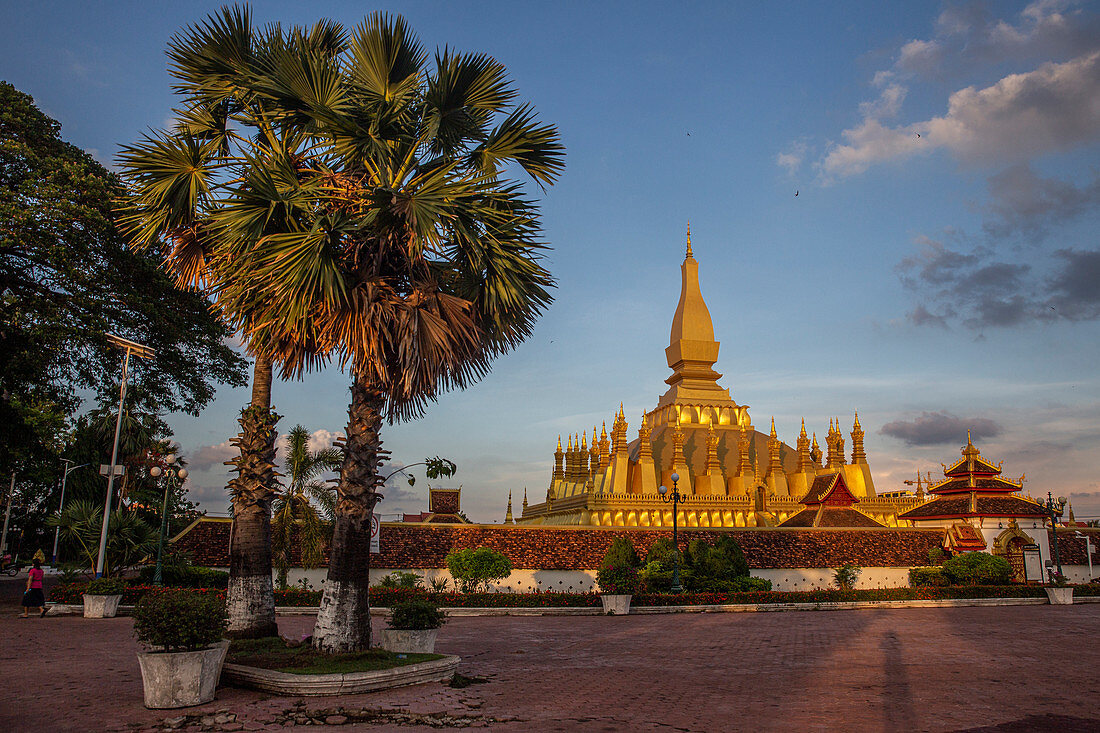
{"x":828,"y":516}
{"x":988,"y":506}
{"x":991,"y":483}
{"x":830,"y":488}
{"x":964,"y":538}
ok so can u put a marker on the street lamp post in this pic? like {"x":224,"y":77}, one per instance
{"x":1054,"y":508}
{"x":61,"y":506}
{"x":675,"y":497}
{"x":130,"y":347}
{"x":175,"y":477}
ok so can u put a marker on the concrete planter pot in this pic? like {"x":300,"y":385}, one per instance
{"x":1060,"y":596}
{"x":615,"y":605}
{"x":181,"y":679}
{"x":409,"y":641}
{"x":101,"y":606}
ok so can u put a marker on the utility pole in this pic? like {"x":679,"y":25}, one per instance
{"x":146,"y":353}
{"x":7,"y":514}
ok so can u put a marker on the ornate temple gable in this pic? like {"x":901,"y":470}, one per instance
{"x":974,"y":473}
{"x":829,"y":489}
{"x":971,"y":463}
{"x":962,"y":537}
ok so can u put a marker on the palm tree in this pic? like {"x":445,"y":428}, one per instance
{"x":177,"y":180}
{"x":357,"y":207}
{"x":407,"y":254}
{"x":294,"y":509}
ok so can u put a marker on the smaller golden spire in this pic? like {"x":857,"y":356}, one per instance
{"x":803,"y":433}
{"x":773,"y":427}
{"x":857,"y":425}
{"x":603,"y":431}
{"x":688,"y":255}
{"x":525,"y":498}
{"x":508,"y":514}
{"x":559,"y":443}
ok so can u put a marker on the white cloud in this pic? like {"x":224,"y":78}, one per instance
{"x":1050,"y":109}
{"x":211,"y":456}
{"x":791,"y":160}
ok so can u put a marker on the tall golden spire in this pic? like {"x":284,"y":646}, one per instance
{"x":524,"y":498}
{"x":508,"y":514}
{"x":645,"y":448}
{"x":815,"y":451}
{"x":605,"y":448}
{"x":774,"y":463}
{"x":804,"y":458}
{"x":692,"y":350}
{"x":859,"y":456}
{"x":559,"y":472}
{"x":744,"y":462}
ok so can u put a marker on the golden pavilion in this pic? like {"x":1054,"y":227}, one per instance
{"x":733,"y":474}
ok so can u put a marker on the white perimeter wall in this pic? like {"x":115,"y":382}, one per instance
{"x":583,"y":581}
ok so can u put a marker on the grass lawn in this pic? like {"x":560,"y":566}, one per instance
{"x":282,"y":655}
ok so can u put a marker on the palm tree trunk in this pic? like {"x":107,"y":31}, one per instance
{"x":343,"y":621}
{"x":250,"y":598}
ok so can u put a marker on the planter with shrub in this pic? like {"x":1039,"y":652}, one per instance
{"x":102,"y":596}
{"x":618,"y":583}
{"x":1058,"y":593}
{"x":413,"y":627}
{"x":184,"y":631}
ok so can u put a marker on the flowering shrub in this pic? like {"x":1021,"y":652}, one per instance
{"x":619,"y":580}
{"x":418,"y":614}
{"x":387,"y":598}
{"x":105,"y":587}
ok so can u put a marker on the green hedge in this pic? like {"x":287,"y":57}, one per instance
{"x":927,"y":577}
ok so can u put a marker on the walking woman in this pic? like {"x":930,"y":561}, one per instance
{"x":34,"y":597}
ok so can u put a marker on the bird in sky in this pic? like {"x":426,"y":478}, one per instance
{"x":796,"y":194}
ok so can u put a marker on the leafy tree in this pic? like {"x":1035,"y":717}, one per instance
{"x":66,"y":279}
{"x":715,"y":567}
{"x":295,"y":514}
{"x":473,"y":570}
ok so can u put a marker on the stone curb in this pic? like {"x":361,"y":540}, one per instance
{"x":284,"y":683}
{"x":61,"y":609}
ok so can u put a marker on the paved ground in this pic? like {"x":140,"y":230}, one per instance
{"x":1003,"y":669}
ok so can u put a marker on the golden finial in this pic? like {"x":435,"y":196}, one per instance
{"x":570,"y":443}
{"x":559,"y":443}
{"x":645,"y":421}
{"x":803,"y":433}
{"x":603,"y":432}
{"x":622,"y":414}
{"x":856,"y":426}
{"x":584,"y":441}
{"x":689,"y":241}
{"x":773,"y":427}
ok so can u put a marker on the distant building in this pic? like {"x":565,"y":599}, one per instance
{"x":982,"y":511}
{"x":444,"y":507}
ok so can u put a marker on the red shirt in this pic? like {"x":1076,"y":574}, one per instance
{"x":35,"y":574}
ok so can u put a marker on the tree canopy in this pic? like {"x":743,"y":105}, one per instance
{"x":66,"y":279}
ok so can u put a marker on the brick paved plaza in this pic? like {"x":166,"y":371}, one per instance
{"x":1020,"y":668}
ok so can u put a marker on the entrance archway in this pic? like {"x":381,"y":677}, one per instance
{"x":1010,"y":545}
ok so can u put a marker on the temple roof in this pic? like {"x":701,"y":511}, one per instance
{"x":973,"y":472}
{"x":962,"y":537}
{"x":829,"y":488}
{"x":945,"y":507}
{"x":824,"y":515}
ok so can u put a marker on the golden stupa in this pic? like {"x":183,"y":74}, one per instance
{"x":733,"y":475}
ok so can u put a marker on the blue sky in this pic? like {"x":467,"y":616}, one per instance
{"x":933,"y":282}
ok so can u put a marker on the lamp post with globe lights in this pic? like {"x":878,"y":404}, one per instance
{"x":675,"y":497}
{"x":176,"y":476}
{"x":1054,"y":508}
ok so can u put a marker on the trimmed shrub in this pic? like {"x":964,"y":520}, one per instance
{"x":473,"y":570}
{"x":105,"y":587}
{"x":621,"y":554}
{"x":714,"y":568}
{"x":927,"y":577}
{"x":750,"y":585}
{"x":180,"y":620}
{"x":417,"y":614}
{"x":977,"y":568}
{"x":186,"y":576}
{"x":619,"y":580}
